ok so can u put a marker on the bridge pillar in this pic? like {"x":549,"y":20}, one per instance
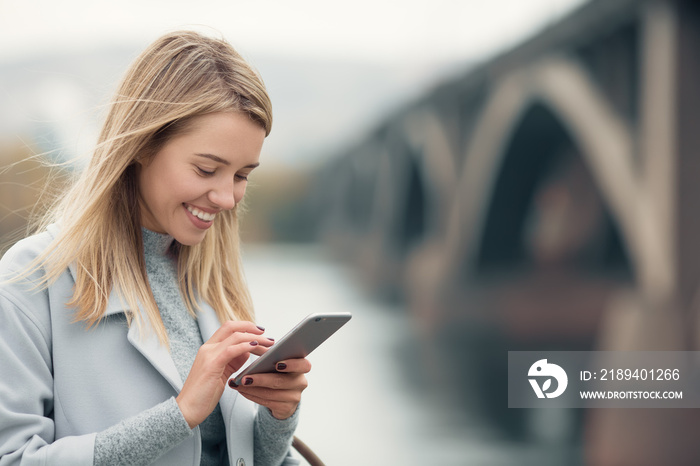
{"x":662,"y":313}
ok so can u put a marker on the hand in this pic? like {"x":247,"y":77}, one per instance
{"x":217,"y":359}
{"x":279,"y":391}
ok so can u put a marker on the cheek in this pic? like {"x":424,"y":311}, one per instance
{"x":180,"y":186}
{"x":149,"y":187}
{"x":239,"y":192}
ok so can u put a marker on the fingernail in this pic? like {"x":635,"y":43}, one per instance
{"x":247,"y":381}
{"x":253,"y":343}
{"x":232,"y":383}
{"x":281,"y":366}
{"x":271,"y":339}
{"x":262,"y":329}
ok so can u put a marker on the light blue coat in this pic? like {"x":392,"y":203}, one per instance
{"x":60,"y":383}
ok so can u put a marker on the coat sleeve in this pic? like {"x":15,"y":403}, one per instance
{"x":27,"y":431}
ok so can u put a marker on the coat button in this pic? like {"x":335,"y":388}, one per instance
{"x":240,"y":462}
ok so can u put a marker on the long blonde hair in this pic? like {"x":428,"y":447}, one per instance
{"x":179,"y":77}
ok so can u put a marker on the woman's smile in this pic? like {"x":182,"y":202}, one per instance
{"x":200,"y":214}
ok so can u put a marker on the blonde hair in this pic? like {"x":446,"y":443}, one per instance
{"x":179,"y":77}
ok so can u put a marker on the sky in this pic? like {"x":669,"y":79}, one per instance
{"x":333,"y":69}
{"x":373,"y":30}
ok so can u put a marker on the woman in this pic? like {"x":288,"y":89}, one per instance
{"x":122,"y":321}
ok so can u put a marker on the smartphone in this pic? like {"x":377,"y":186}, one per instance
{"x":299,"y":342}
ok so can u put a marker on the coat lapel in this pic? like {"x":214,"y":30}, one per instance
{"x":207,"y":321}
{"x":144,"y":339}
{"x":238,"y":412}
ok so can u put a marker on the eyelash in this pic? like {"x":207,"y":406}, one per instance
{"x":208,"y":173}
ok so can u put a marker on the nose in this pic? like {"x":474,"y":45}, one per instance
{"x":222,"y":195}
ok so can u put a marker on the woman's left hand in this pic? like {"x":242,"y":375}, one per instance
{"x":279,"y":391}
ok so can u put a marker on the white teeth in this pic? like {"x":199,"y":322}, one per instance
{"x":201,"y":215}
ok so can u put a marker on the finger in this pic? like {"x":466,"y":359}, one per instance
{"x":276,"y":381}
{"x":232,"y":326}
{"x":286,"y":407}
{"x":239,"y":337}
{"x":268,"y":395}
{"x":262,"y":398}
{"x":301,"y":365}
{"x":233,"y":351}
{"x":260,"y":350}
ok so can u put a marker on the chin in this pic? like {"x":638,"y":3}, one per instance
{"x":189,"y":239}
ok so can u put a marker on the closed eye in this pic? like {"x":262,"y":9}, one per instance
{"x":242,"y":177}
{"x":204,"y":172}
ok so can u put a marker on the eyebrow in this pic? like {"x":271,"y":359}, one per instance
{"x":218,"y":159}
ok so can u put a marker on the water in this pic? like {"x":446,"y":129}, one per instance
{"x":370,"y":398}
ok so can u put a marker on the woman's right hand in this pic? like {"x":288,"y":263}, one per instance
{"x":216,"y":361}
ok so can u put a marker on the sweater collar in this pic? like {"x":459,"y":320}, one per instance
{"x":155,"y":244}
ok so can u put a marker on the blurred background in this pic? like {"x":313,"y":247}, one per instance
{"x":468,"y":178}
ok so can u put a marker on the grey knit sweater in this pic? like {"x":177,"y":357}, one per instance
{"x":145,"y":437}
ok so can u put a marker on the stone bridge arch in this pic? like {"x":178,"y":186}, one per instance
{"x":414,"y":164}
{"x":605,"y":139}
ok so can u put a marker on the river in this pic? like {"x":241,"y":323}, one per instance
{"x":367,"y":401}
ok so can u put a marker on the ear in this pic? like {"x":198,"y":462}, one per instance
{"x":141,"y":161}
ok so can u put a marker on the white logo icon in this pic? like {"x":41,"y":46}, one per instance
{"x":543,"y":369}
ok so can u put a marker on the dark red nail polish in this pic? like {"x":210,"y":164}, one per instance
{"x":262,"y":329}
{"x":253,"y":343}
{"x":232,"y":383}
{"x":281,"y":366}
{"x":247,"y":381}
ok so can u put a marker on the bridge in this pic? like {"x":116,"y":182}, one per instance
{"x":547,"y":198}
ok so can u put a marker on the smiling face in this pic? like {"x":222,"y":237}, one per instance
{"x":197,"y":174}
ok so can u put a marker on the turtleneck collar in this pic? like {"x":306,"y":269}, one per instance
{"x":156,"y":244}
